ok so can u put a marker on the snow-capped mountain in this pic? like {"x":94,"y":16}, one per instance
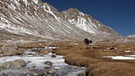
{"x":131,"y":36}
{"x":35,"y":18}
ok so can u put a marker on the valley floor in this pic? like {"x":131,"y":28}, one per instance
{"x":100,"y":58}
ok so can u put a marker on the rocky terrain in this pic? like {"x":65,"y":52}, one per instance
{"x":38,"y":40}
{"x":102,"y":58}
{"x":24,"y":18}
{"x":34,"y":59}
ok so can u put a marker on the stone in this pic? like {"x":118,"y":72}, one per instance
{"x":48,"y":63}
{"x":52,"y":71}
{"x":17,"y":64}
{"x":12,"y":52}
{"x":56,"y":68}
{"x":53,"y":51}
{"x":81,"y":74}
{"x":28,"y":62}
{"x":53,"y":56}
{"x":1,"y":67}
{"x":28,"y":74}
{"x":43,"y":52}
{"x":47,"y":67}
{"x":38,"y":72}
{"x":31,"y":69}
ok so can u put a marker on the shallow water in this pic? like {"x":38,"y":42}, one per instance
{"x":38,"y":61}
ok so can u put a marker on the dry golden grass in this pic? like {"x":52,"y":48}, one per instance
{"x":35,"y":45}
{"x":29,"y":45}
{"x":111,"y":69}
{"x":12,"y":52}
{"x":76,"y":53}
{"x":80,"y":60}
{"x":92,"y":58}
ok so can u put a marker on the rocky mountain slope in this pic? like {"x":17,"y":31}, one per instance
{"x":131,"y":36}
{"x":38,"y":19}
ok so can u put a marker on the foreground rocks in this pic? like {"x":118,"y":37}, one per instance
{"x":36,"y":66}
{"x":48,"y":63}
{"x":77,"y":54}
{"x":39,"y":61}
{"x":12,"y":53}
{"x":17,"y":64}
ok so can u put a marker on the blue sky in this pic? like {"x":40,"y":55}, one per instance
{"x":118,"y":14}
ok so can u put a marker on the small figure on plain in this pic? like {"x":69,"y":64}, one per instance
{"x":87,"y":41}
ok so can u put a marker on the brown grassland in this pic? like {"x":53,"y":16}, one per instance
{"x":91,"y":57}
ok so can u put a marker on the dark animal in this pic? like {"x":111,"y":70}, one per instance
{"x":87,"y":41}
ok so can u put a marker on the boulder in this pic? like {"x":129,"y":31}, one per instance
{"x":53,"y":51}
{"x":31,"y":69}
{"x":81,"y":74}
{"x":43,"y":52}
{"x":38,"y":72}
{"x":56,"y":68}
{"x":53,"y":56}
{"x":47,"y":67}
{"x":28,"y":74}
{"x":17,"y":64}
{"x":48,"y":63}
{"x":1,"y":67}
{"x":53,"y":71}
{"x":12,"y":52}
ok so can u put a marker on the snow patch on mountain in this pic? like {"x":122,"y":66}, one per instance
{"x":131,"y":36}
{"x":43,"y":20}
{"x":17,"y":29}
{"x":48,"y":9}
{"x":35,"y":1}
{"x":81,"y":24}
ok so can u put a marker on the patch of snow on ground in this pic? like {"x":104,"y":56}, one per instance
{"x":126,"y":57}
{"x":122,"y":58}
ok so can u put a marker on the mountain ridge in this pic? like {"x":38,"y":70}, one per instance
{"x":25,"y":17}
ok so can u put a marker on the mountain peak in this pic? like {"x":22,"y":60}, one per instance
{"x":38,"y":19}
{"x":37,"y":1}
{"x":73,"y":10}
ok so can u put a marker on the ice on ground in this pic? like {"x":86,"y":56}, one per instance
{"x":122,"y":58}
{"x":125,"y":57}
{"x":38,"y":61}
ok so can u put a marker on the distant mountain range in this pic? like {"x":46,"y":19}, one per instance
{"x":33,"y":18}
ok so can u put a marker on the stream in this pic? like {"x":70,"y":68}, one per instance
{"x":63,"y":69}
